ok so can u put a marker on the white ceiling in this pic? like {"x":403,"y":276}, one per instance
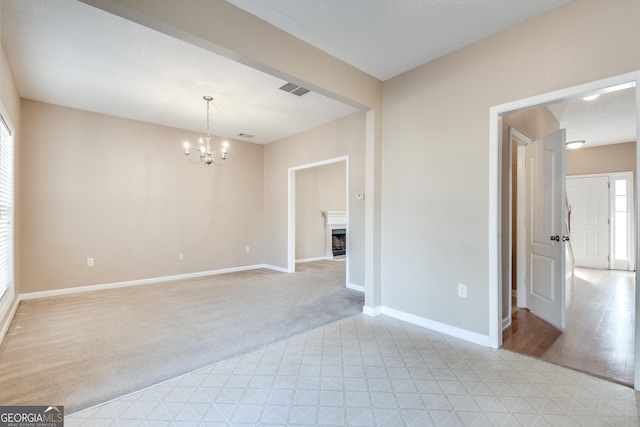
{"x":385,"y":38}
{"x":68,"y":53}
{"x":609,"y":119}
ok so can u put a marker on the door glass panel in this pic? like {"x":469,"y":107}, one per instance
{"x":620,"y":221}
{"x":620,"y":247}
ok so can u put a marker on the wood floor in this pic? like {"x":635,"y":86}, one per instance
{"x":600,"y":330}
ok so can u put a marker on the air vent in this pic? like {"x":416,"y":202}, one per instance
{"x":300,"y":91}
{"x":245,"y":135}
{"x":294,"y":89}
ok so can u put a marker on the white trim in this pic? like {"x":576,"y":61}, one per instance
{"x":320,"y":258}
{"x":506,"y":321}
{"x":115,"y":285}
{"x":494,"y":250}
{"x":521,"y":229}
{"x":372,"y":311}
{"x":9,"y":307}
{"x":274,"y":268}
{"x":443,"y":328}
{"x":517,"y":140}
{"x":495,"y":222}
{"x":358,"y":288}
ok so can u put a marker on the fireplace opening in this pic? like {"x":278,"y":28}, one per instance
{"x":339,"y":241}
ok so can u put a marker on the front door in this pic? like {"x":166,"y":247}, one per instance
{"x":589,"y":202}
{"x":546,"y":228}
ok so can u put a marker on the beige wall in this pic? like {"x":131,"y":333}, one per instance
{"x":535,"y":124}
{"x":318,"y":189}
{"x":602,"y":159}
{"x":436,"y":149}
{"x":341,"y":137}
{"x":122,"y":192}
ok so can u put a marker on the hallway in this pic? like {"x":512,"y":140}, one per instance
{"x":600,"y":333}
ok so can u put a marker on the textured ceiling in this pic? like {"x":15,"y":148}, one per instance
{"x":609,"y":119}
{"x":68,"y":53}
{"x":385,"y":38}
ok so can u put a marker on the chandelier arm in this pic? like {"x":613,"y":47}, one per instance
{"x":194,"y":161}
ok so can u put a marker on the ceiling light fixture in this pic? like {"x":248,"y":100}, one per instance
{"x":572,"y":145}
{"x":205,"y":154}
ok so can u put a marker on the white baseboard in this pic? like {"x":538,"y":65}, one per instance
{"x":90,"y":288}
{"x":358,"y":288}
{"x":372,"y":311}
{"x":275,"y":268}
{"x":506,"y":322}
{"x":438,"y":327}
{"x":12,"y":307}
{"x":320,"y":258}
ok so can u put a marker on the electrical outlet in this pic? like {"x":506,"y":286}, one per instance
{"x":462,"y":290}
{"x":181,"y":256}
{"x":90,"y":262}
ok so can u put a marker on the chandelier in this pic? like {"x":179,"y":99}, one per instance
{"x":205,"y":154}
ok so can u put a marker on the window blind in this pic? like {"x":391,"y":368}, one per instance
{"x":6,"y":206}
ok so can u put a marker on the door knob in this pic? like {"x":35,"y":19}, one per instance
{"x":565,"y":238}
{"x":556,"y":238}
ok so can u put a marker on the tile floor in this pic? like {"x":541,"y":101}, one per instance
{"x":364,"y":371}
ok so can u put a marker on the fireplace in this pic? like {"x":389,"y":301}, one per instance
{"x":339,"y":241}
{"x":336,"y":231}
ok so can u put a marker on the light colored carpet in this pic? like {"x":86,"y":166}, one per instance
{"x":83,"y":349}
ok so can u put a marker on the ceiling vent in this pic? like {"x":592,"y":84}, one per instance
{"x":245,"y":135}
{"x":294,"y":89}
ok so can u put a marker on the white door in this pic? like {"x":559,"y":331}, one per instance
{"x":546,"y":213}
{"x":589,"y":202}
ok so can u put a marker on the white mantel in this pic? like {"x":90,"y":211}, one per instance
{"x":333,"y":220}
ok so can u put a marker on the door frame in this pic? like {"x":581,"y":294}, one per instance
{"x":517,"y":143}
{"x":495,"y":190}
{"x":291,"y":221}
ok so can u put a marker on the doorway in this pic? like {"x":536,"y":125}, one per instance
{"x":297,"y":207}
{"x":499,"y":282}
